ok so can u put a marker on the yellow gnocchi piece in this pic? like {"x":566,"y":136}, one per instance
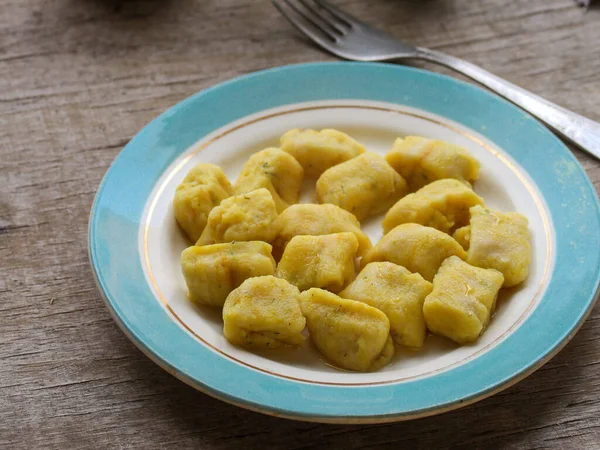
{"x":352,"y":335}
{"x":397,"y":293}
{"x":500,"y":241}
{"x":317,"y":151}
{"x":317,"y":220}
{"x":201,"y":190}
{"x":264,"y":313}
{"x":421,"y":161}
{"x":463,"y":236}
{"x":245,"y":217}
{"x":211,"y":272}
{"x":418,"y":248}
{"x":365,"y":185}
{"x":462,"y":300}
{"x":274,"y":170}
{"x":443,"y":204}
{"x":325,"y":261}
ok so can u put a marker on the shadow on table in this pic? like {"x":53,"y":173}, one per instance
{"x":132,"y":8}
{"x":128,"y":8}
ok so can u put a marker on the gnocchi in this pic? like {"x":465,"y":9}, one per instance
{"x":443,"y":204}
{"x":418,"y":248}
{"x":421,"y":161}
{"x":365,"y":185}
{"x":317,"y":151}
{"x":316,"y":220}
{"x":399,"y":294}
{"x":211,"y":272}
{"x":264,"y":312}
{"x":351,"y":334}
{"x":274,"y":170}
{"x":325,"y":261}
{"x":245,"y":217}
{"x":500,"y":241}
{"x":462,"y":300}
{"x":201,"y":190}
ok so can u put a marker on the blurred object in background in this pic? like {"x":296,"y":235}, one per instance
{"x":585,"y":3}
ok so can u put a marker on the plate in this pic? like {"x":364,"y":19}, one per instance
{"x":135,"y":244}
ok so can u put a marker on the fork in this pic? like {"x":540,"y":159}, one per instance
{"x":347,"y":37}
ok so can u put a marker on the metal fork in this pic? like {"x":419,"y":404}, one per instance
{"x":349,"y":38}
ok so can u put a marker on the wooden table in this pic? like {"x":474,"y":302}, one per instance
{"x":78,"y":78}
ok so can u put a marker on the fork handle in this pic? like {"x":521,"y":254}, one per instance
{"x":581,"y":131}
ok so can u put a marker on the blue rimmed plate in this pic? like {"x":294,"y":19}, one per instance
{"x":135,"y":245}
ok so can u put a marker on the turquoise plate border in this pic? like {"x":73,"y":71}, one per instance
{"x":571,"y":199}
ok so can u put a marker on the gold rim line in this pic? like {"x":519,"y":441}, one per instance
{"x":199,"y":147}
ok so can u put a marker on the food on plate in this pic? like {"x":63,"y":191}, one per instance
{"x":442,"y":204}
{"x":463,"y":236}
{"x":365,"y":185}
{"x":418,"y":248}
{"x":263,"y":312}
{"x":420,"y":161}
{"x":211,"y":272}
{"x":351,"y":334}
{"x":274,"y":170}
{"x":500,"y":241}
{"x":316,"y":220}
{"x":244,"y":217}
{"x":439,"y":266}
{"x":399,"y":294}
{"x":317,"y":151}
{"x":201,"y":190}
{"x":325,"y":261}
{"x":462,"y":300}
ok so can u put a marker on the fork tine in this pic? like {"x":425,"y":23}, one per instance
{"x":341,"y":15}
{"x":306,"y":28}
{"x":321,"y":14}
{"x":308,"y":20}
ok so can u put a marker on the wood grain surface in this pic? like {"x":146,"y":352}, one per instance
{"x":78,"y":78}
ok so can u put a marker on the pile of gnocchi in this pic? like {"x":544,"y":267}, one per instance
{"x":276,"y":267}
